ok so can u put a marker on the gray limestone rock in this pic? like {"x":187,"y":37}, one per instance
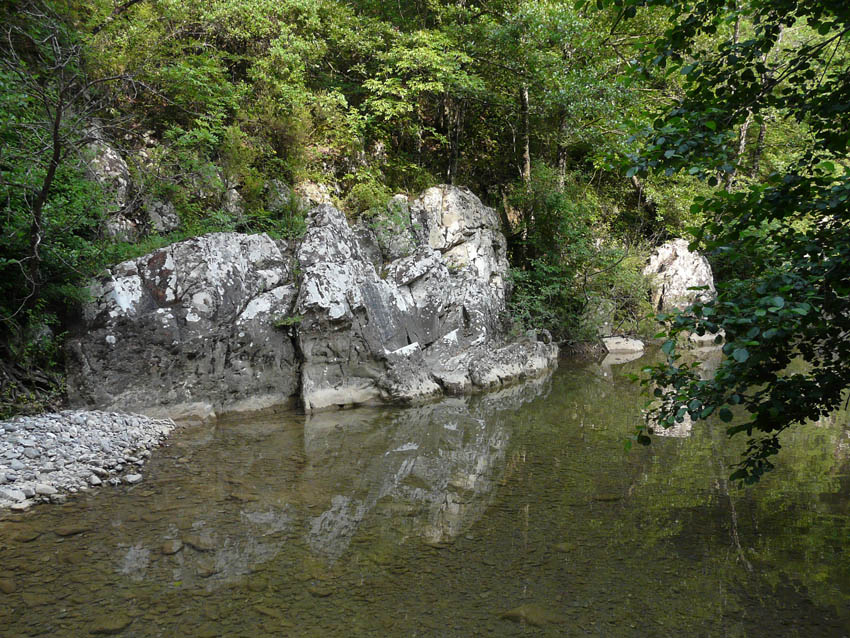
{"x":674,"y":269}
{"x":229,"y":321}
{"x":108,"y":168}
{"x":162,"y":216}
{"x":188,"y":329}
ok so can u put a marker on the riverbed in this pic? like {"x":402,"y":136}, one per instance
{"x":508,"y":514}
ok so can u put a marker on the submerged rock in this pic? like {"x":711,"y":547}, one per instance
{"x":229,"y":321}
{"x":110,"y":625}
{"x":532,"y":614}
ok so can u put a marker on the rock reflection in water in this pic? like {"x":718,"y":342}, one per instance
{"x":435,"y":464}
{"x":427,"y":472}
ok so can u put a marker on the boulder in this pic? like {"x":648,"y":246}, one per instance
{"x":222,"y":322}
{"x":188,"y":329}
{"x":107,"y":167}
{"x":675,"y":269}
{"x":622,"y":345}
{"x":162,"y":216}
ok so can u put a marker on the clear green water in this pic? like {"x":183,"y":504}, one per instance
{"x":512,"y":514}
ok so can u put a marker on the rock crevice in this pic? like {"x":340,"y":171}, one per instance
{"x":230,"y":321}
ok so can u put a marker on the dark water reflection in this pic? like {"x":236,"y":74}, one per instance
{"x":436,"y":521}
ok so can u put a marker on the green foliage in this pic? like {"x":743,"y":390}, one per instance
{"x":789,"y":298}
{"x":570,"y":277}
{"x":288,"y":321}
{"x":367,"y":194}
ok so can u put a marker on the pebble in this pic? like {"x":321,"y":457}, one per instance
{"x":171,"y":547}
{"x":11,"y":494}
{"x":71,"y":530}
{"x":7,"y":585}
{"x":25,"y":534}
{"x":199,"y":542}
{"x":51,"y":455}
{"x":109,"y":625}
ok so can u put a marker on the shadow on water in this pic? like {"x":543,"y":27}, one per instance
{"x":510,"y":514}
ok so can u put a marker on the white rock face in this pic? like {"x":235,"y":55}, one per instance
{"x":107,"y":167}
{"x":162,"y":216}
{"x":622,"y":345}
{"x":221,"y":322}
{"x":675,"y":269}
{"x":188,"y":329}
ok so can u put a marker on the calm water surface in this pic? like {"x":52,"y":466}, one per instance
{"x":517,"y":513}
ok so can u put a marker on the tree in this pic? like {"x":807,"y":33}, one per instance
{"x":50,"y":213}
{"x":784,"y":324}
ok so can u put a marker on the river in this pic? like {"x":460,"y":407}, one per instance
{"x":516,"y":513}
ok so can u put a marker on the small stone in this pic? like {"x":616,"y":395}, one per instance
{"x":532,"y":614}
{"x":12,"y":495}
{"x":22,"y":506}
{"x":7,"y":585}
{"x":109,"y":625}
{"x":257,"y":584}
{"x":132,"y":478}
{"x":15,"y":464}
{"x":31,"y":453}
{"x":37,"y":599}
{"x":25,"y":534}
{"x":45,"y":490}
{"x":271,"y":612}
{"x":318,"y":591}
{"x":171,"y":547}
{"x":71,"y":530}
{"x":207,"y":568}
{"x":199,"y":543}
{"x":94,"y":480}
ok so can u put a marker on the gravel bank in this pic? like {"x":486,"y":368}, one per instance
{"x":44,"y":458}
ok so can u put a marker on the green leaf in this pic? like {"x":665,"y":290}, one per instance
{"x":740,"y":355}
{"x":725,"y":415}
{"x":738,"y":475}
{"x":668,"y":346}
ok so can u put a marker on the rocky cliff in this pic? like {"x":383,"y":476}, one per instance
{"x":229,"y":321}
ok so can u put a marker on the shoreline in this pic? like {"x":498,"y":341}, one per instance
{"x":51,"y":456}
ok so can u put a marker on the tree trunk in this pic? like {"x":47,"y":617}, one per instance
{"x":36,"y":228}
{"x":758,"y":149}
{"x":563,"y":155}
{"x":526,"y":137}
{"x":739,"y":152}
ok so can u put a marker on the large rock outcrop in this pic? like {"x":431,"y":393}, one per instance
{"x":189,"y":328}
{"x":229,"y":321}
{"x":675,"y":269}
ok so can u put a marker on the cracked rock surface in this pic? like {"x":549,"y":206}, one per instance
{"x":230,"y":321}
